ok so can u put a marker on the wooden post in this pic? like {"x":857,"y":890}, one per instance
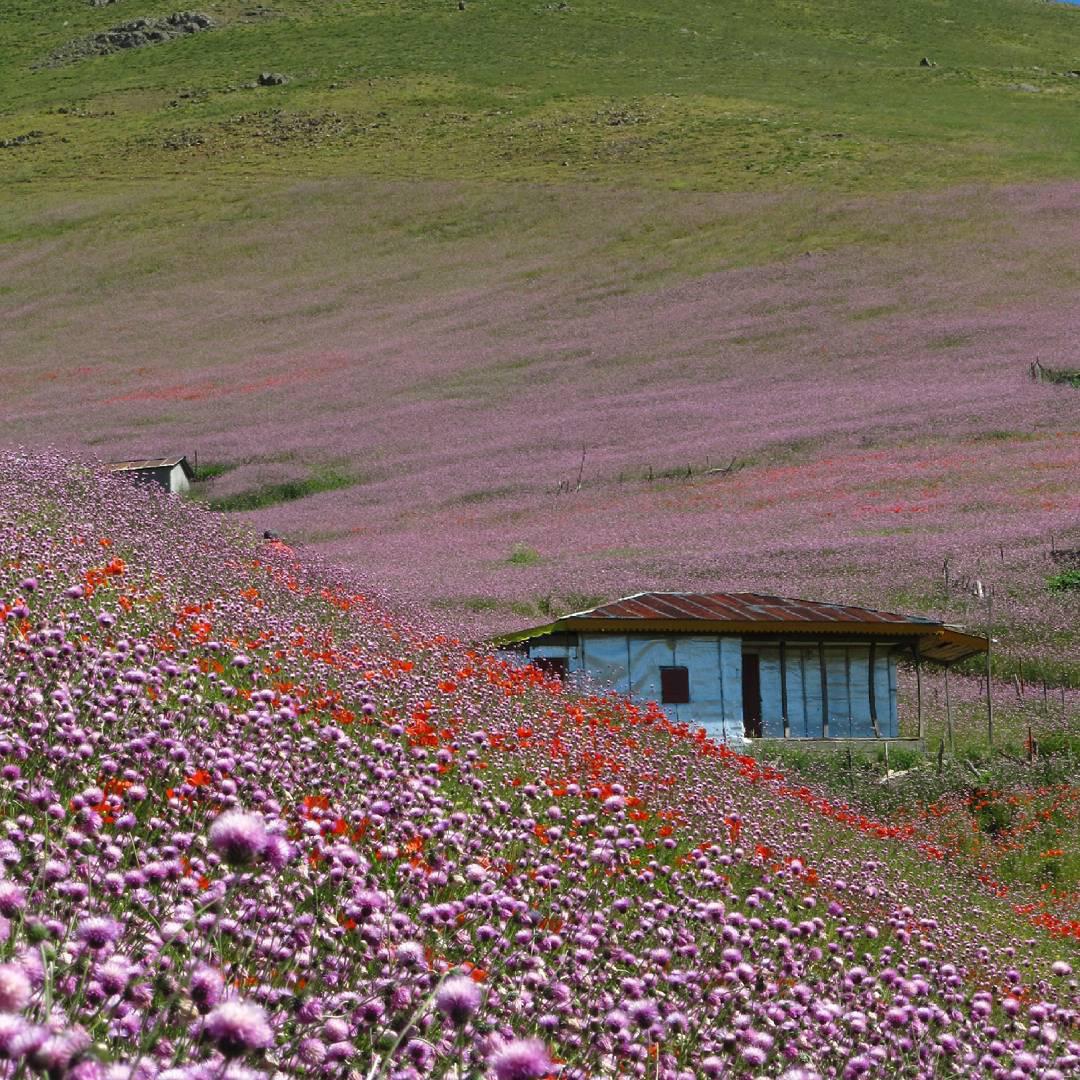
{"x":989,"y":689}
{"x":948,"y":715}
{"x":873,"y":691}
{"x":824,"y":690}
{"x":941,"y":756}
{"x":581,"y":469}
{"x":1030,"y":745}
{"x":783,"y":690}
{"x":847,"y":688}
{"x":886,"y":761}
{"x":918,"y":696}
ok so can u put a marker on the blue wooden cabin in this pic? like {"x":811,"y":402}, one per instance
{"x":747,"y":666}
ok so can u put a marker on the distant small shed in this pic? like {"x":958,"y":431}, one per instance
{"x":173,"y":474}
{"x":748,"y":666}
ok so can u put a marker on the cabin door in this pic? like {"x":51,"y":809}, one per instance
{"x":751,"y":695}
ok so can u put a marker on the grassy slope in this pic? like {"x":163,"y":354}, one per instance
{"x":704,"y":95}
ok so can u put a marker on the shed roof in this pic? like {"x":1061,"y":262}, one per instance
{"x":137,"y":464}
{"x":754,"y":613}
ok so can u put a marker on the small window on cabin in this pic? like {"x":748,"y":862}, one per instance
{"x":550,"y":665}
{"x":674,"y":685}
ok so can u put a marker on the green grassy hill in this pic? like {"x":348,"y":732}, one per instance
{"x":719,"y":95}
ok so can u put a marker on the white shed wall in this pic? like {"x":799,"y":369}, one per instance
{"x":604,"y":657}
{"x":178,"y":480}
{"x":847,"y":682}
{"x":630,"y":664}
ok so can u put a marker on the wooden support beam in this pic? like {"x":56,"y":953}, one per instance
{"x":948,"y":715}
{"x":989,"y":595}
{"x":824,"y":690}
{"x":783,"y":690}
{"x":873,"y":689}
{"x":918,"y":695}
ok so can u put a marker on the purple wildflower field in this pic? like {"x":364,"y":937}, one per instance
{"x":260,"y":820}
{"x":863,"y":364}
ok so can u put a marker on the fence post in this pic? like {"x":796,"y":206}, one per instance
{"x":948,"y":715}
{"x":989,"y":689}
{"x":918,"y":693}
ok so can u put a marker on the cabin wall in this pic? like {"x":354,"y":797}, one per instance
{"x":178,"y":481}
{"x":561,"y":651}
{"x":631,"y":663}
{"x":847,"y":684}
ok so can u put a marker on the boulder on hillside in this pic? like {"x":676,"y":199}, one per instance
{"x":133,"y":34}
{"x":21,"y":140}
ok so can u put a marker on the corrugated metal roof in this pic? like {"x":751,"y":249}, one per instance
{"x":150,"y":463}
{"x":740,"y":607}
{"x":755,"y":613}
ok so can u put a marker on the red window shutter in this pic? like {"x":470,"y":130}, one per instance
{"x":674,"y":685}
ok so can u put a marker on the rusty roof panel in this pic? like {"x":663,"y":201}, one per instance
{"x":144,"y":463}
{"x":741,"y":607}
{"x":758,"y":614}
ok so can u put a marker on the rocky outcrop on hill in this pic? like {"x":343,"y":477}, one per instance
{"x":133,"y":34}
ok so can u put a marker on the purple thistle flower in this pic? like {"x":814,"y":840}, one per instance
{"x":312,"y":1051}
{"x":278,"y":852}
{"x":15,"y":988}
{"x":206,"y":987}
{"x":18,"y":1037}
{"x":95,"y":932}
{"x":522,"y":1059}
{"x":457,"y":999}
{"x":754,"y":1055}
{"x":643,"y":1013}
{"x":713,"y":1067}
{"x":419,"y":1053}
{"x":12,"y":899}
{"x":239,"y":838}
{"x":86,"y":1069}
{"x":57,"y":1052}
{"x":237,"y":1027}
{"x":335,"y":1029}
{"x":114,"y":975}
{"x":409,"y":954}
